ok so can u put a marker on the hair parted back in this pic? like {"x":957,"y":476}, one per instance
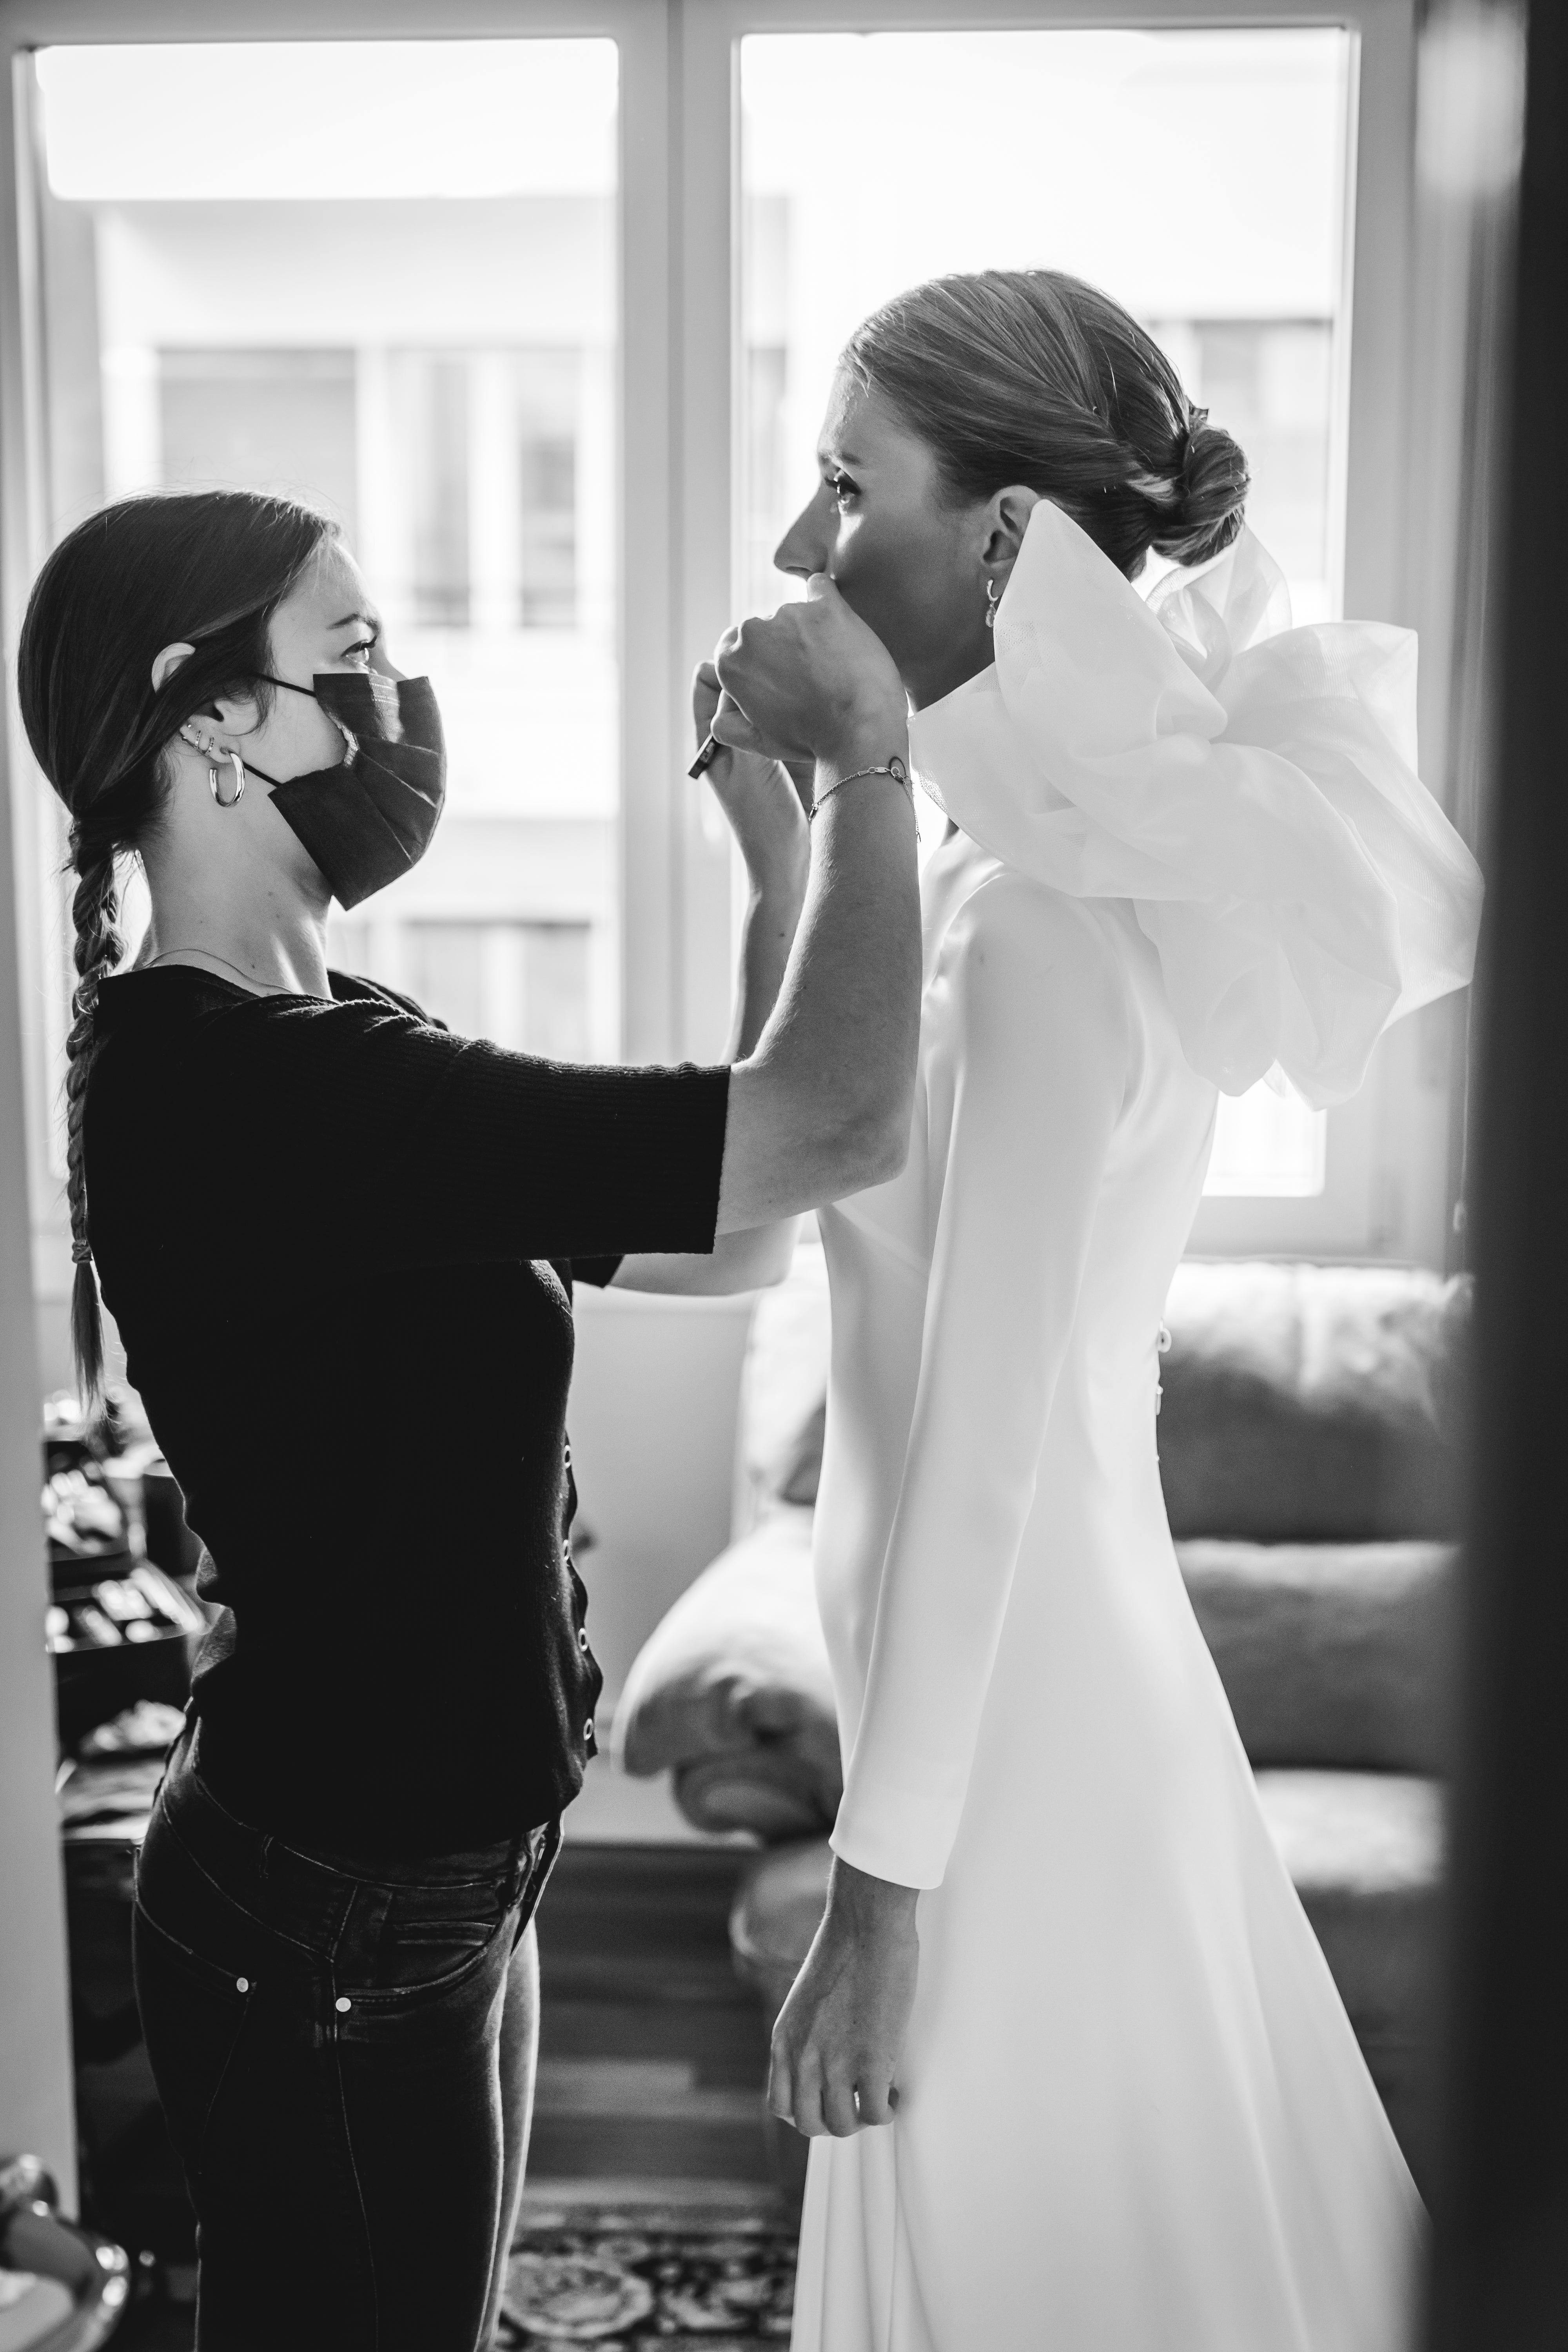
{"x":1033,"y":377}
{"x":207,"y":568}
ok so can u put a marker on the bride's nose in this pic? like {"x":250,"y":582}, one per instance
{"x":805,"y":545}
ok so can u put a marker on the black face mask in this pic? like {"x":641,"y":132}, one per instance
{"x":370,"y":819}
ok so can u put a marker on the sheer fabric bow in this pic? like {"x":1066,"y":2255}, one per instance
{"x":1249,"y":786}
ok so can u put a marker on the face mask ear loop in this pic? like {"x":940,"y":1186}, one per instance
{"x":350,"y":739}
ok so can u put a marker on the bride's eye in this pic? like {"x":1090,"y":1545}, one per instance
{"x":842,"y":488}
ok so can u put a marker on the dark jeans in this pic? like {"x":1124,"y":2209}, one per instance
{"x":344,"y":2052}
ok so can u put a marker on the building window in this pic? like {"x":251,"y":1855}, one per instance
{"x":547,"y":410}
{"x":524,"y":985}
{"x":1240,"y":280}
{"x":432,"y":414}
{"x":278,"y":420}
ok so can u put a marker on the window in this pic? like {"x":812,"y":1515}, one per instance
{"x":1241,"y":281}
{"x":418,"y":337}
{"x":476,"y":298}
{"x":524,"y":985}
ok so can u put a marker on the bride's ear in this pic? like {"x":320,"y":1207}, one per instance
{"x":1006,"y":519}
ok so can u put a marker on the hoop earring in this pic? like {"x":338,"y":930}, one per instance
{"x":993,"y":599}
{"x":237,"y":764}
{"x":209,"y":750}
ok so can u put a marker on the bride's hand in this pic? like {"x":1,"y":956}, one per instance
{"x":840,"y":2035}
{"x":809,"y":682}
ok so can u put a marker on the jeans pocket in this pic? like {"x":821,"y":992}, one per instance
{"x":195,"y":2013}
{"x":419,"y":1939}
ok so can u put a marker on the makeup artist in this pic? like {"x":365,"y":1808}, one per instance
{"x":340,"y":1246}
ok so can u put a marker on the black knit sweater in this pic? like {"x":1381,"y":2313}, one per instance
{"x":340,"y":1245}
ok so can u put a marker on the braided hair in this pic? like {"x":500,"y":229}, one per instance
{"x":204,"y":567}
{"x":1034,"y":377}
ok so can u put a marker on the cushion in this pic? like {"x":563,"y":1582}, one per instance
{"x":777,"y":1909}
{"x":736,"y":1678}
{"x":772,"y":1791}
{"x":783,"y":1392}
{"x":1365,"y":1850}
{"x":1311,"y":1404}
{"x":1330,"y":1654}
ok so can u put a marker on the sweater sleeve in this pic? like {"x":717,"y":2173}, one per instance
{"x":359,"y":1132}
{"x":1042,"y":1060}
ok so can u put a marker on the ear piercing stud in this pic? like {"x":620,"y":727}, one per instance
{"x":215,"y":754}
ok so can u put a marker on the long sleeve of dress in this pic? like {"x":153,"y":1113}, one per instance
{"x":1037,"y":1059}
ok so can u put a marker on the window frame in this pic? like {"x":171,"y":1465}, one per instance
{"x":653,"y":722}
{"x":1367,"y":1207}
{"x":677,"y":203}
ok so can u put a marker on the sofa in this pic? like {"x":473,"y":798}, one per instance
{"x":1307,"y":1429}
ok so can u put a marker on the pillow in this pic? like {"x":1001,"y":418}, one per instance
{"x":783,"y":1392}
{"x":737,"y":1672}
{"x":771,"y":1793}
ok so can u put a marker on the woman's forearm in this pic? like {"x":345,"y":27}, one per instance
{"x":754,"y":1259}
{"x":778,"y":860}
{"x":822,"y":1106}
{"x":767,"y":934}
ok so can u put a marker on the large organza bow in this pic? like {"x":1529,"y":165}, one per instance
{"x":1249,"y":786}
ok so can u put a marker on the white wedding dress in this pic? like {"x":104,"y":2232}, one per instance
{"x":1134,"y":2115}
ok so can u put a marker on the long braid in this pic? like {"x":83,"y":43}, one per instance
{"x":99,"y":948}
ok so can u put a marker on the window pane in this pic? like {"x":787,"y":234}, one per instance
{"x":1199,"y":177}
{"x":1267,"y":1145}
{"x":524,"y":984}
{"x":402,"y":307}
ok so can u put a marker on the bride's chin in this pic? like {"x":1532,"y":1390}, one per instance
{"x":880,"y":612}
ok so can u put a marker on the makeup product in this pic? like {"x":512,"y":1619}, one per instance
{"x":709,"y":751}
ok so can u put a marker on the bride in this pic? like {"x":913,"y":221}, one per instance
{"x":1075,"y":2069}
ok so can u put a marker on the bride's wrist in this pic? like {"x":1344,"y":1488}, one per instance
{"x":869,"y":1906}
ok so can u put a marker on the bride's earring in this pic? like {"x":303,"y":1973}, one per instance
{"x":992,"y":598}
{"x":214,"y":756}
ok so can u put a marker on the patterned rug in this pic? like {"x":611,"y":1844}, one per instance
{"x":650,"y":2278}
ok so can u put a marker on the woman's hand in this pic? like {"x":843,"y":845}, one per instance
{"x":840,"y":2035}
{"x":809,"y":682}
{"x":762,"y":801}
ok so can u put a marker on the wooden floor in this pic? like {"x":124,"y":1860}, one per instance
{"x":652,"y":2054}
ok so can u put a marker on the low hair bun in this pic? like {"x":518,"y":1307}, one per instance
{"x":1212,"y":504}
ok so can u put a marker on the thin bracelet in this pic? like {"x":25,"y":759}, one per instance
{"x":894,"y":768}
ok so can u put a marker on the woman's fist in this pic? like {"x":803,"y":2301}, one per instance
{"x":757,"y":795}
{"x":809,"y":682}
